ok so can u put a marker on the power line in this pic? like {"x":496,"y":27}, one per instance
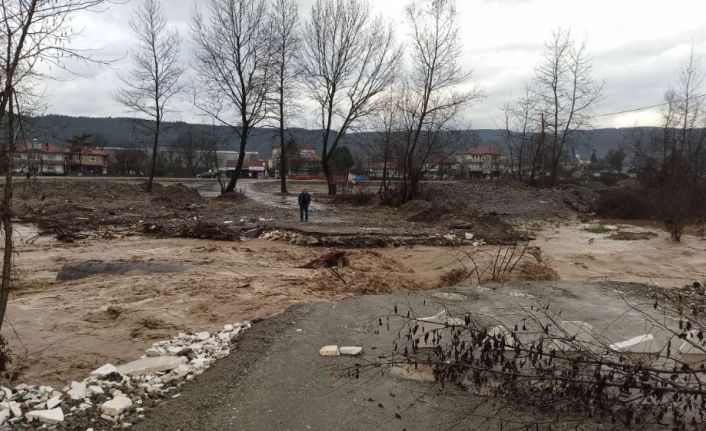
{"x":644,"y":108}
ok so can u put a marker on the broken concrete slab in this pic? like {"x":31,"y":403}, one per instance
{"x":104,"y":371}
{"x":151,"y":365}
{"x":350,"y":350}
{"x":88,"y":268}
{"x":78,"y":390}
{"x":116,"y":406}
{"x":53,"y":402}
{"x":47,"y":417}
{"x":329,"y":351}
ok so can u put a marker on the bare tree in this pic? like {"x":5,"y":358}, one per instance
{"x":286,"y":45}
{"x":434,"y":93}
{"x":154,"y":78}
{"x":521,"y":127}
{"x":349,"y":59}
{"x":31,"y":32}
{"x":671,"y":164}
{"x":566,"y":92}
{"x":234,"y":67}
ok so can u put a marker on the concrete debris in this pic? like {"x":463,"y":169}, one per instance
{"x":329,"y":351}
{"x":111,"y":392}
{"x":47,"y":417}
{"x":116,"y":406}
{"x":53,"y":402}
{"x":151,"y":365}
{"x":104,"y":370}
{"x":350,"y":350}
{"x":78,"y":390}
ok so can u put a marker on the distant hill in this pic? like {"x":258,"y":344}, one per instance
{"x":121,"y":132}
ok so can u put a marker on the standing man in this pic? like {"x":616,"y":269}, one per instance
{"x":304,"y":201}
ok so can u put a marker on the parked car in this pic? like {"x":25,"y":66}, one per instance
{"x":206,"y":175}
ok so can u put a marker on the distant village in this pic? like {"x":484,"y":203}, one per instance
{"x":35,"y":157}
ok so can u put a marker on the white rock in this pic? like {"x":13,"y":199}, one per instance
{"x":4,"y":416}
{"x":173,"y":350}
{"x":116,"y":406}
{"x":201,"y":362}
{"x":350,"y":350}
{"x":203,"y":336}
{"x":151,"y":365}
{"x":329,"y":351}
{"x":94,"y":390}
{"x":104,"y":370}
{"x":196,"y":347}
{"x":15,"y":409}
{"x":48,"y":417}
{"x":228,"y":328}
{"x":84,"y":406}
{"x":53,"y":402}
{"x":7,"y":392}
{"x":78,"y":390}
{"x":469,"y":236}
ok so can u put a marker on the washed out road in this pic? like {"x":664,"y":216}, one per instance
{"x":276,"y":380}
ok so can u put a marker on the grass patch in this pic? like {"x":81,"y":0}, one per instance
{"x":598,"y":228}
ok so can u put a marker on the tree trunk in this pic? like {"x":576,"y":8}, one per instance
{"x":7,"y":213}
{"x":282,"y":158}
{"x":238,"y":167}
{"x":154,"y":157}
{"x":329,"y":177}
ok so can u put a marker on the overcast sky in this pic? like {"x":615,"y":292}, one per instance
{"x":636,"y":48}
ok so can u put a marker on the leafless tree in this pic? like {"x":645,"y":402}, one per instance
{"x":349,"y":59}
{"x":234,"y":67}
{"x":154,"y":78}
{"x":566,"y":92}
{"x":672,"y":163}
{"x":31,"y":32}
{"x":286,"y":46}
{"x":436,"y":89}
{"x":521,"y":127}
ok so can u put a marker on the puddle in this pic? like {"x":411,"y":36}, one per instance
{"x":88,"y":268}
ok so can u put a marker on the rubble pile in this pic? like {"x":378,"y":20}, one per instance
{"x":374,"y":240}
{"x":117,"y":396}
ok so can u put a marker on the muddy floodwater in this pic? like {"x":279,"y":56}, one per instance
{"x":62,"y":329}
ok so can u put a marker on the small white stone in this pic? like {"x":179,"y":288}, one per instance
{"x":48,"y":417}
{"x":15,"y":409}
{"x":94,"y":390}
{"x":350,"y":350}
{"x":201,"y":362}
{"x":116,"y":406}
{"x":203,"y":336}
{"x":228,"y":328}
{"x":104,"y":370}
{"x":7,"y":392}
{"x":329,"y":351}
{"x":78,"y":390}
{"x":53,"y":402}
{"x":4,"y":416}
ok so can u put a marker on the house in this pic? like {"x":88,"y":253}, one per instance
{"x":252,"y":168}
{"x":82,"y":160}
{"x":305,"y":161}
{"x":480,"y":161}
{"x":39,"y":158}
